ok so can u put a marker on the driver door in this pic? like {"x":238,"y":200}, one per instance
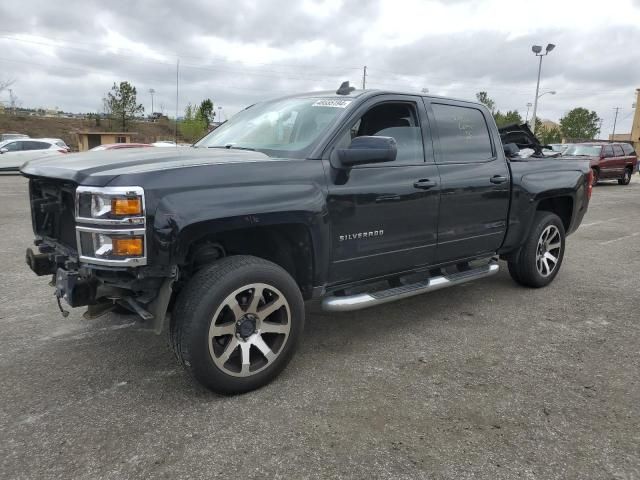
{"x":384,"y":216}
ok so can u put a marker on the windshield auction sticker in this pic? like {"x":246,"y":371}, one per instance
{"x":332,"y":103}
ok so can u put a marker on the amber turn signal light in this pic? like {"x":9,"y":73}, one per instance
{"x":126,"y":206}
{"x":127,"y":246}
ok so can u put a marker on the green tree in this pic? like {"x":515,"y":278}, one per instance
{"x":121,"y":104}
{"x":483,"y":97}
{"x":205,"y":111}
{"x":511,"y":116}
{"x":548,"y":135}
{"x":580,"y":124}
{"x":193,"y":126}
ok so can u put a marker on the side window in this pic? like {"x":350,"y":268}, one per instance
{"x":464,"y":135}
{"x":617,"y":151}
{"x":31,"y":145}
{"x":628,"y":149}
{"x":13,"y":146}
{"x":121,"y":139}
{"x":607,"y":151}
{"x":397,"y":120}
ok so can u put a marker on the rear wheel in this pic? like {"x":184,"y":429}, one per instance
{"x":626,"y":177}
{"x":540,"y":258}
{"x":237,"y":323}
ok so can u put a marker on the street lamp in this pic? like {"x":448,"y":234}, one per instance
{"x":529,"y":105}
{"x":537,"y":49}
{"x":152,"y":92}
{"x":552,"y":92}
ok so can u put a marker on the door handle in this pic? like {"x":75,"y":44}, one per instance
{"x":388,"y":198}
{"x":498,"y":179}
{"x":424,"y":184}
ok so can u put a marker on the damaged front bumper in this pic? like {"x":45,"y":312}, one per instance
{"x":145,"y":291}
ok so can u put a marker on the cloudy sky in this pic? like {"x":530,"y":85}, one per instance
{"x":68,"y":53}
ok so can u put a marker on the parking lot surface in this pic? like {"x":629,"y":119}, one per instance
{"x":486,"y":380}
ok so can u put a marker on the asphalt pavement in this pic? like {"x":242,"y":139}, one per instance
{"x":485,"y":380}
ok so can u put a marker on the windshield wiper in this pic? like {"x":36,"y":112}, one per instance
{"x":230,"y":146}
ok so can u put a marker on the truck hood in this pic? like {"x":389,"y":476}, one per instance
{"x":99,"y":168}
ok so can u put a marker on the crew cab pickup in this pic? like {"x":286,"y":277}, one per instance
{"x":353,"y":198}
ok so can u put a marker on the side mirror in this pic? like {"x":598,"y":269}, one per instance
{"x":4,"y":150}
{"x":511,"y":149}
{"x":365,"y":150}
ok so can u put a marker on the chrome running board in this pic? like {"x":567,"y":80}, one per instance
{"x":365,"y":300}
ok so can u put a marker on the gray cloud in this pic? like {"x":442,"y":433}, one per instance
{"x":592,"y":68}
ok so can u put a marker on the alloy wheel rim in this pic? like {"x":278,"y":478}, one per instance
{"x":548,"y":250}
{"x":627,"y":176}
{"x":249,"y":330}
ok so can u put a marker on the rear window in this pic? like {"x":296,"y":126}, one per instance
{"x":627,"y":149}
{"x":463,"y":132}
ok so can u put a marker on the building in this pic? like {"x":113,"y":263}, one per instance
{"x":635,"y":127}
{"x":633,"y":136}
{"x":88,"y":140}
{"x":620,"y":137}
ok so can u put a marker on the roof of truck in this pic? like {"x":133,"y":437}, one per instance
{"x":361,"y":94}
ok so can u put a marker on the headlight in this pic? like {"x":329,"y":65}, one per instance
{"x":110,"y":205}
{"x":117,"y":246}
{"x":112,"y":246}
{"x":110,"y":225}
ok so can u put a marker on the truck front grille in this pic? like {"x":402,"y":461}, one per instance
{"x":52,"y":210}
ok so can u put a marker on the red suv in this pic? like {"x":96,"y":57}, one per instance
{"x":609,"y":161}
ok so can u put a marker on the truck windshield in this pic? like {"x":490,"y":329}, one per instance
{"x":282,"y":128}
{"x":583,"y":150}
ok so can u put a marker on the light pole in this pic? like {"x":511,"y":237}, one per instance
{"x":152,"y":92}
{"x":537,"y":49}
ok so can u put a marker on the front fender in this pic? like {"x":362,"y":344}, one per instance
{"x":184,"y":217}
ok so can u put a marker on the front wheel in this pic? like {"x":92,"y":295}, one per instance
{"x":540,"y":258}
{"x":595,"y":177}
{"x":237,"y":323}
{"x":626,"y":177}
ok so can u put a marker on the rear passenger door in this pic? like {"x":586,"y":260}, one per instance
{"x":475,"y":181}
{"x":620,"y":161}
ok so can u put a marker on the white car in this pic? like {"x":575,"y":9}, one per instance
{"x":164,"y":143}
{"x":14,"y":153}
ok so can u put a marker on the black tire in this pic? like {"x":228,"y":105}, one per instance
{"x":626,"y":177}
{"x":524,"y":269}
{"x":204,"y":296}
{"x":596,"y":177}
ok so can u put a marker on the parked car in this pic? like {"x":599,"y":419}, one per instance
{"x":119,"y":146}
{"x":11,"y":136}
{"x":316,"y":196}
{"x":560,"y":147}
{"x":608,"y":161}
{"x":13,"y":153}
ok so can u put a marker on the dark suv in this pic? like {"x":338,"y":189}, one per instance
{"x":609,"y":161}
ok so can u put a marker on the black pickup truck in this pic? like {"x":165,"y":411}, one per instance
{"x":354,"y":198}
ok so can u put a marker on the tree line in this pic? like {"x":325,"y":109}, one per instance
{"x":577,"y":124}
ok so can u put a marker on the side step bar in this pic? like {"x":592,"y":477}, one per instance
{"x":365,"y":300}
